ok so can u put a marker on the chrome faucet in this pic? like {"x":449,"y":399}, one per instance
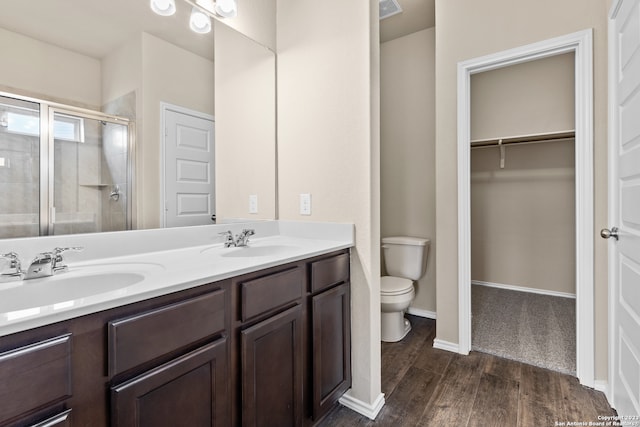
{"x":14,"y":264}
{"x":241,"y":239}
{"x":228,"y":239}
{"x":49,"y":263}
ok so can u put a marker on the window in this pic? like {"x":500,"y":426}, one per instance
{"x":66,"y":128}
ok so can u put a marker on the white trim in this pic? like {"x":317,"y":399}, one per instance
{"x":422,"y":313}
{"x":524,"y":289}
{"x":603,"y":386}
{"x":164,"y":107}
{"x":446,"y":345}
{"x":612,"y":198}
{"x":370,"y":411}
{"x":581,"y":44}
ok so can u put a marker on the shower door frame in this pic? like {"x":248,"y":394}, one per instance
{"x":46,"y":167}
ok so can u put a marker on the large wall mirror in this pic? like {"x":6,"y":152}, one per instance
{"x":120,"y":58}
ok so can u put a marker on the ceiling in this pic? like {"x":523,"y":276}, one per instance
{"x":96,"y":27}
{"x":416,"y":15}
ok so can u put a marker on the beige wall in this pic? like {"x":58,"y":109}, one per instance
{"x":407,"y":167}
{"x":328,"y":145}
{"x":42,"y":70}
{"x":122,"y":70}
{"x":467,"y":30}
{"x":256,"y":20}
{"x":173,"y":75}
{"x":245,"y":126}
{"x":523,"y":216}
{"x":524,"y":99}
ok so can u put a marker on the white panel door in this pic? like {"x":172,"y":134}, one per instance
{"x":624,"y":172}
{"x":189,"y":170}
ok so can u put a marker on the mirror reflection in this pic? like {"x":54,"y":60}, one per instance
{"x":84,"y":58}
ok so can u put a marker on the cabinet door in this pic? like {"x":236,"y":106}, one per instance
{"x":331,"y":340}
{"x":191,"y":390}
{"x":272,"y":356}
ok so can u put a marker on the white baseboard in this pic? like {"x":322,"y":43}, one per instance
{"x":603,"y":386}
{"x":368,"y":410}
{"x":422,"y":313}
{"x":446,"y":345}
{"x":524,"y":289}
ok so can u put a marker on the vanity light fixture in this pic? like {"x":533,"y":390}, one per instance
{"x":199,"y":21}
{"x":201,"y":12}
{"x":163,"y":7}
{"x":226,"y":8}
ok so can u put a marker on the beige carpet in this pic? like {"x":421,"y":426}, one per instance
{"x":536,"y":329}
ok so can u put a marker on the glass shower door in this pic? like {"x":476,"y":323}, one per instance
{"x":90,"y":173}
{"x":19,"y":168}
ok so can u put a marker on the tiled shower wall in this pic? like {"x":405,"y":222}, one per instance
{"x":19,"y":185}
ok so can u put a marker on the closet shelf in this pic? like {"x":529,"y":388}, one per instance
{"x":524,"y":139}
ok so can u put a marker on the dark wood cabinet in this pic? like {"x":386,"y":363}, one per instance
{"x":272,"y":363}
{"x":34,"y":377}
{"x":191,"y":390}
{"x":331,"y":347}
{"x":267,"y":348}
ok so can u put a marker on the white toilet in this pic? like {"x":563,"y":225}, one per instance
{"x":405,"y":259}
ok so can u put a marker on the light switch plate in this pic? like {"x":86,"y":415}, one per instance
{"x":305,"y":204}
{"x":253,"y":203}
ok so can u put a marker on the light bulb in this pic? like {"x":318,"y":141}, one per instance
{"x":226,"y":8}
{"x":199,"y":21}
{"x":163,"y":7}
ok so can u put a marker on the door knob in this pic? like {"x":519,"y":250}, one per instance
{"x":605,"y":233}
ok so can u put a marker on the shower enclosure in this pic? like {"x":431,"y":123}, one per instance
{"x":63,"y":170}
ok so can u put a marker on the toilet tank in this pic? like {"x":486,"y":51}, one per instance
{"x":405,"y":256}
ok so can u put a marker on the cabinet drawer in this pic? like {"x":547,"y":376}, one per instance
{"x":144,"y":337}
{"x":330,"y":271}
{"x":270,"y":292}
{"x":34,"y":376}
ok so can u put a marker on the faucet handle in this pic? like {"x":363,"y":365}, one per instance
{"x":228,"y":238}
{"x":57,"y":256}
{"x":14,"y":263}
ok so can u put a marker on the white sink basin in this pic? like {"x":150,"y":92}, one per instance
{"x":77,"y":283}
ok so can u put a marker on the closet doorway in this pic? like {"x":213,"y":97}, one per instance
{"x":579,"y":46}
{"x":523,"y":213}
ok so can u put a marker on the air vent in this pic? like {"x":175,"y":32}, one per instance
{"x":389,"y":8}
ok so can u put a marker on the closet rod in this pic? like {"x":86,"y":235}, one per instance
{"x":525,"y":139}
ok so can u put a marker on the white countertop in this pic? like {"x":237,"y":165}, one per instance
{"x":122,"y":268}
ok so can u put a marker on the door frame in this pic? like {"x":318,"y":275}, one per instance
{"x":164,"y":108}
{"x":581,"y":44}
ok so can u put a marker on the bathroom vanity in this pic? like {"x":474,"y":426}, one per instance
{"x":268,"y":345}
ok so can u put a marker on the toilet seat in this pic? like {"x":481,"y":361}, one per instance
{"x":390,"y":285}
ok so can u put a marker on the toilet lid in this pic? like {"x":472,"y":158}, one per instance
{"x":390,"y":285}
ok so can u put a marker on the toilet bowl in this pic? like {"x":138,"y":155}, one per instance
{"x":396,"y":295}
{"x":405,"y":259}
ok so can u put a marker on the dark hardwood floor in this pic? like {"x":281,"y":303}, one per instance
{"x":430,"y":387}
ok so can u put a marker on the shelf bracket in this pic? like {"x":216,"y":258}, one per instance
{"x":502,"y":153}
